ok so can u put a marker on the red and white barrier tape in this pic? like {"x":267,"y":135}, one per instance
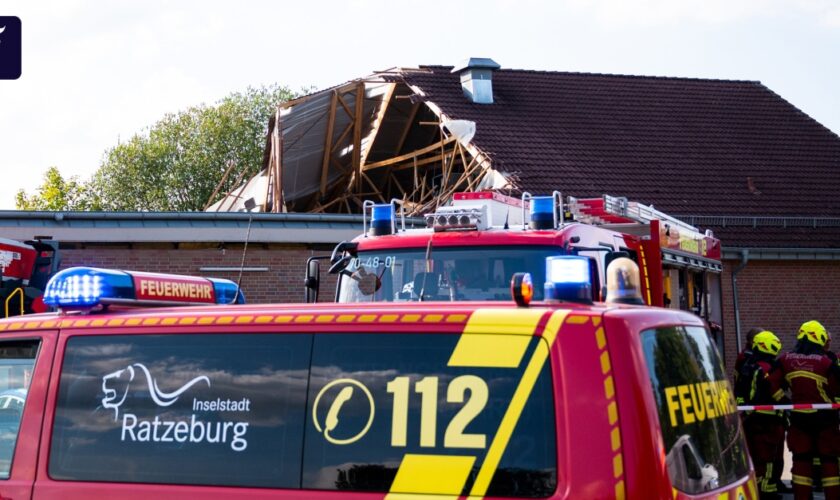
{"x":801,"y":406}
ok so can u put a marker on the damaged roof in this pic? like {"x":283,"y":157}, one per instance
{"x":717,"y":150}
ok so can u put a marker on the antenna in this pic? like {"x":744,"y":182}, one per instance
{"x":428,"y":269}
{"x":242,"y":264}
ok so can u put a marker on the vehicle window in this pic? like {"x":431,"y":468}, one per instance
{"x":182,"y":409}
{"x":17,"y":359}
{"x":450,"y":273}
{"x":704,"y":445}
{"x":376,"y":399}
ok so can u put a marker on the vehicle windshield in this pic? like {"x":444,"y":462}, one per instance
{"x":451,"y":273}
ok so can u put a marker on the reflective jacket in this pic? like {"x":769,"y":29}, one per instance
{"x":759,"y":381}
{"x":812,"y":374}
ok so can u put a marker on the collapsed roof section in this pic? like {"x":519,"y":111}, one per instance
{"x":331,"y":150}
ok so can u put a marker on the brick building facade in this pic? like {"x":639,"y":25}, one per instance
{"x":780,"y":295}
{"x":272,"y":273}
{"x":205,"y":244}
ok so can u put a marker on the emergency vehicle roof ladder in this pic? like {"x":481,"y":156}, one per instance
{"x":623,"y":214}
{"x":618,"y":210}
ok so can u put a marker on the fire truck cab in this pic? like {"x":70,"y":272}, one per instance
{"x":470,"y":250}
{"x":561,"y":399}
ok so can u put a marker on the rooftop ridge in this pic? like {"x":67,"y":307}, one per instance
{"x":609,"y":75}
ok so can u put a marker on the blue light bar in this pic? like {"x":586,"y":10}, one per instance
{"x":382,"y":219}
{"x":568,"y":277}
{"x":542,"y":212}
{"x":88,"y":287}
{"x":226,"y":291}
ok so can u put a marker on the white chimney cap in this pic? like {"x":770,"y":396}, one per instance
{"x":476,"y":63}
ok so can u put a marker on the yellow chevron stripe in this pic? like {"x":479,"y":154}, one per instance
{"x":432,"y":474}
{"x":517,"y":404}
{"x":484,"y":350}
{"x":504,"y":321}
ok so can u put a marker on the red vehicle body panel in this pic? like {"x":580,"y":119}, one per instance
{"x":17,"y":259}
{"x":609,"y":442}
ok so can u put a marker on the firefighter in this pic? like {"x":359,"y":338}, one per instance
{"x":747,"y":351}
{"x":759,"y":381}
{"x":814,"y":377}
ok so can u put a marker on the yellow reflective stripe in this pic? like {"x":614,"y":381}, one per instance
{"x":485,"y":350}
{"x":432,"y":474}
{"x":504,"y":321}
{"x":831,"y":481}
{"x":517,"y":404}
{"x":821,"y":381}
{"x":806,"y":374}
{"x":766,"y":484}
{"x":802,"y":480}
{"x":778,"y":395}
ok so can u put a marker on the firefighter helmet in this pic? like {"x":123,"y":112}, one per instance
{"x":814,"y":332}
{"x":767,"y":342}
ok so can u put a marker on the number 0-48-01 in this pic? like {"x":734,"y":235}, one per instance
{"x":427,"y":387}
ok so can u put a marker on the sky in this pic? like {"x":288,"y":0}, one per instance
{"x":98,"y":71}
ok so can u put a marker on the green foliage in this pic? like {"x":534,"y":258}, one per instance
{"x":57,"y":193}
{"x":176,"y":164}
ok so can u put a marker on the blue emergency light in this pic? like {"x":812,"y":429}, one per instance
{"x":542,"y":212}
{"x":568,"y":278}
{"x":226,"y":291}
{"x":382,"y":219}
{"x":88,"y":287}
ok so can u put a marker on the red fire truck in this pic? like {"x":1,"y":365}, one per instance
{"x":470,"y":250}
{"x":25,"y":268}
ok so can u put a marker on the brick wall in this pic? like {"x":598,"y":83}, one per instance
{"x":780,"y":296}
{"x":283,"y":282}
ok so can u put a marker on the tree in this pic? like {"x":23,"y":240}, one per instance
{"x":182,"y":158}
{"x":174,"y":165}
{"x":57,"y":193}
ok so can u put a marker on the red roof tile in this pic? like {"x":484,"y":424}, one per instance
{"x":687,"y":146}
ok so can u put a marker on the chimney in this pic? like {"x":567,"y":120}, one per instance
{"x":477,"y":79}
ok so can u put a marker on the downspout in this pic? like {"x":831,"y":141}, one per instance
{"x":745,"y":257}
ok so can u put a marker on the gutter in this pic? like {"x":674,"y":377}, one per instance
{"x":745,"y":257}
{"x":732,"y":253}
{"x":204,"y":216}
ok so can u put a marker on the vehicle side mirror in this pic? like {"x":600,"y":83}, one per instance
{"x":342,"y":249}
{"x":312,"y":280}
{"x":340,"y":265}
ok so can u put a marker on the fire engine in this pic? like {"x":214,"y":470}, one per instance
{"x":470,"y":250}
{"x":26,"y":267}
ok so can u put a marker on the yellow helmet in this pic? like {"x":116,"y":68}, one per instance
{"x":767,"y":342}
{"x":814,"y":332}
